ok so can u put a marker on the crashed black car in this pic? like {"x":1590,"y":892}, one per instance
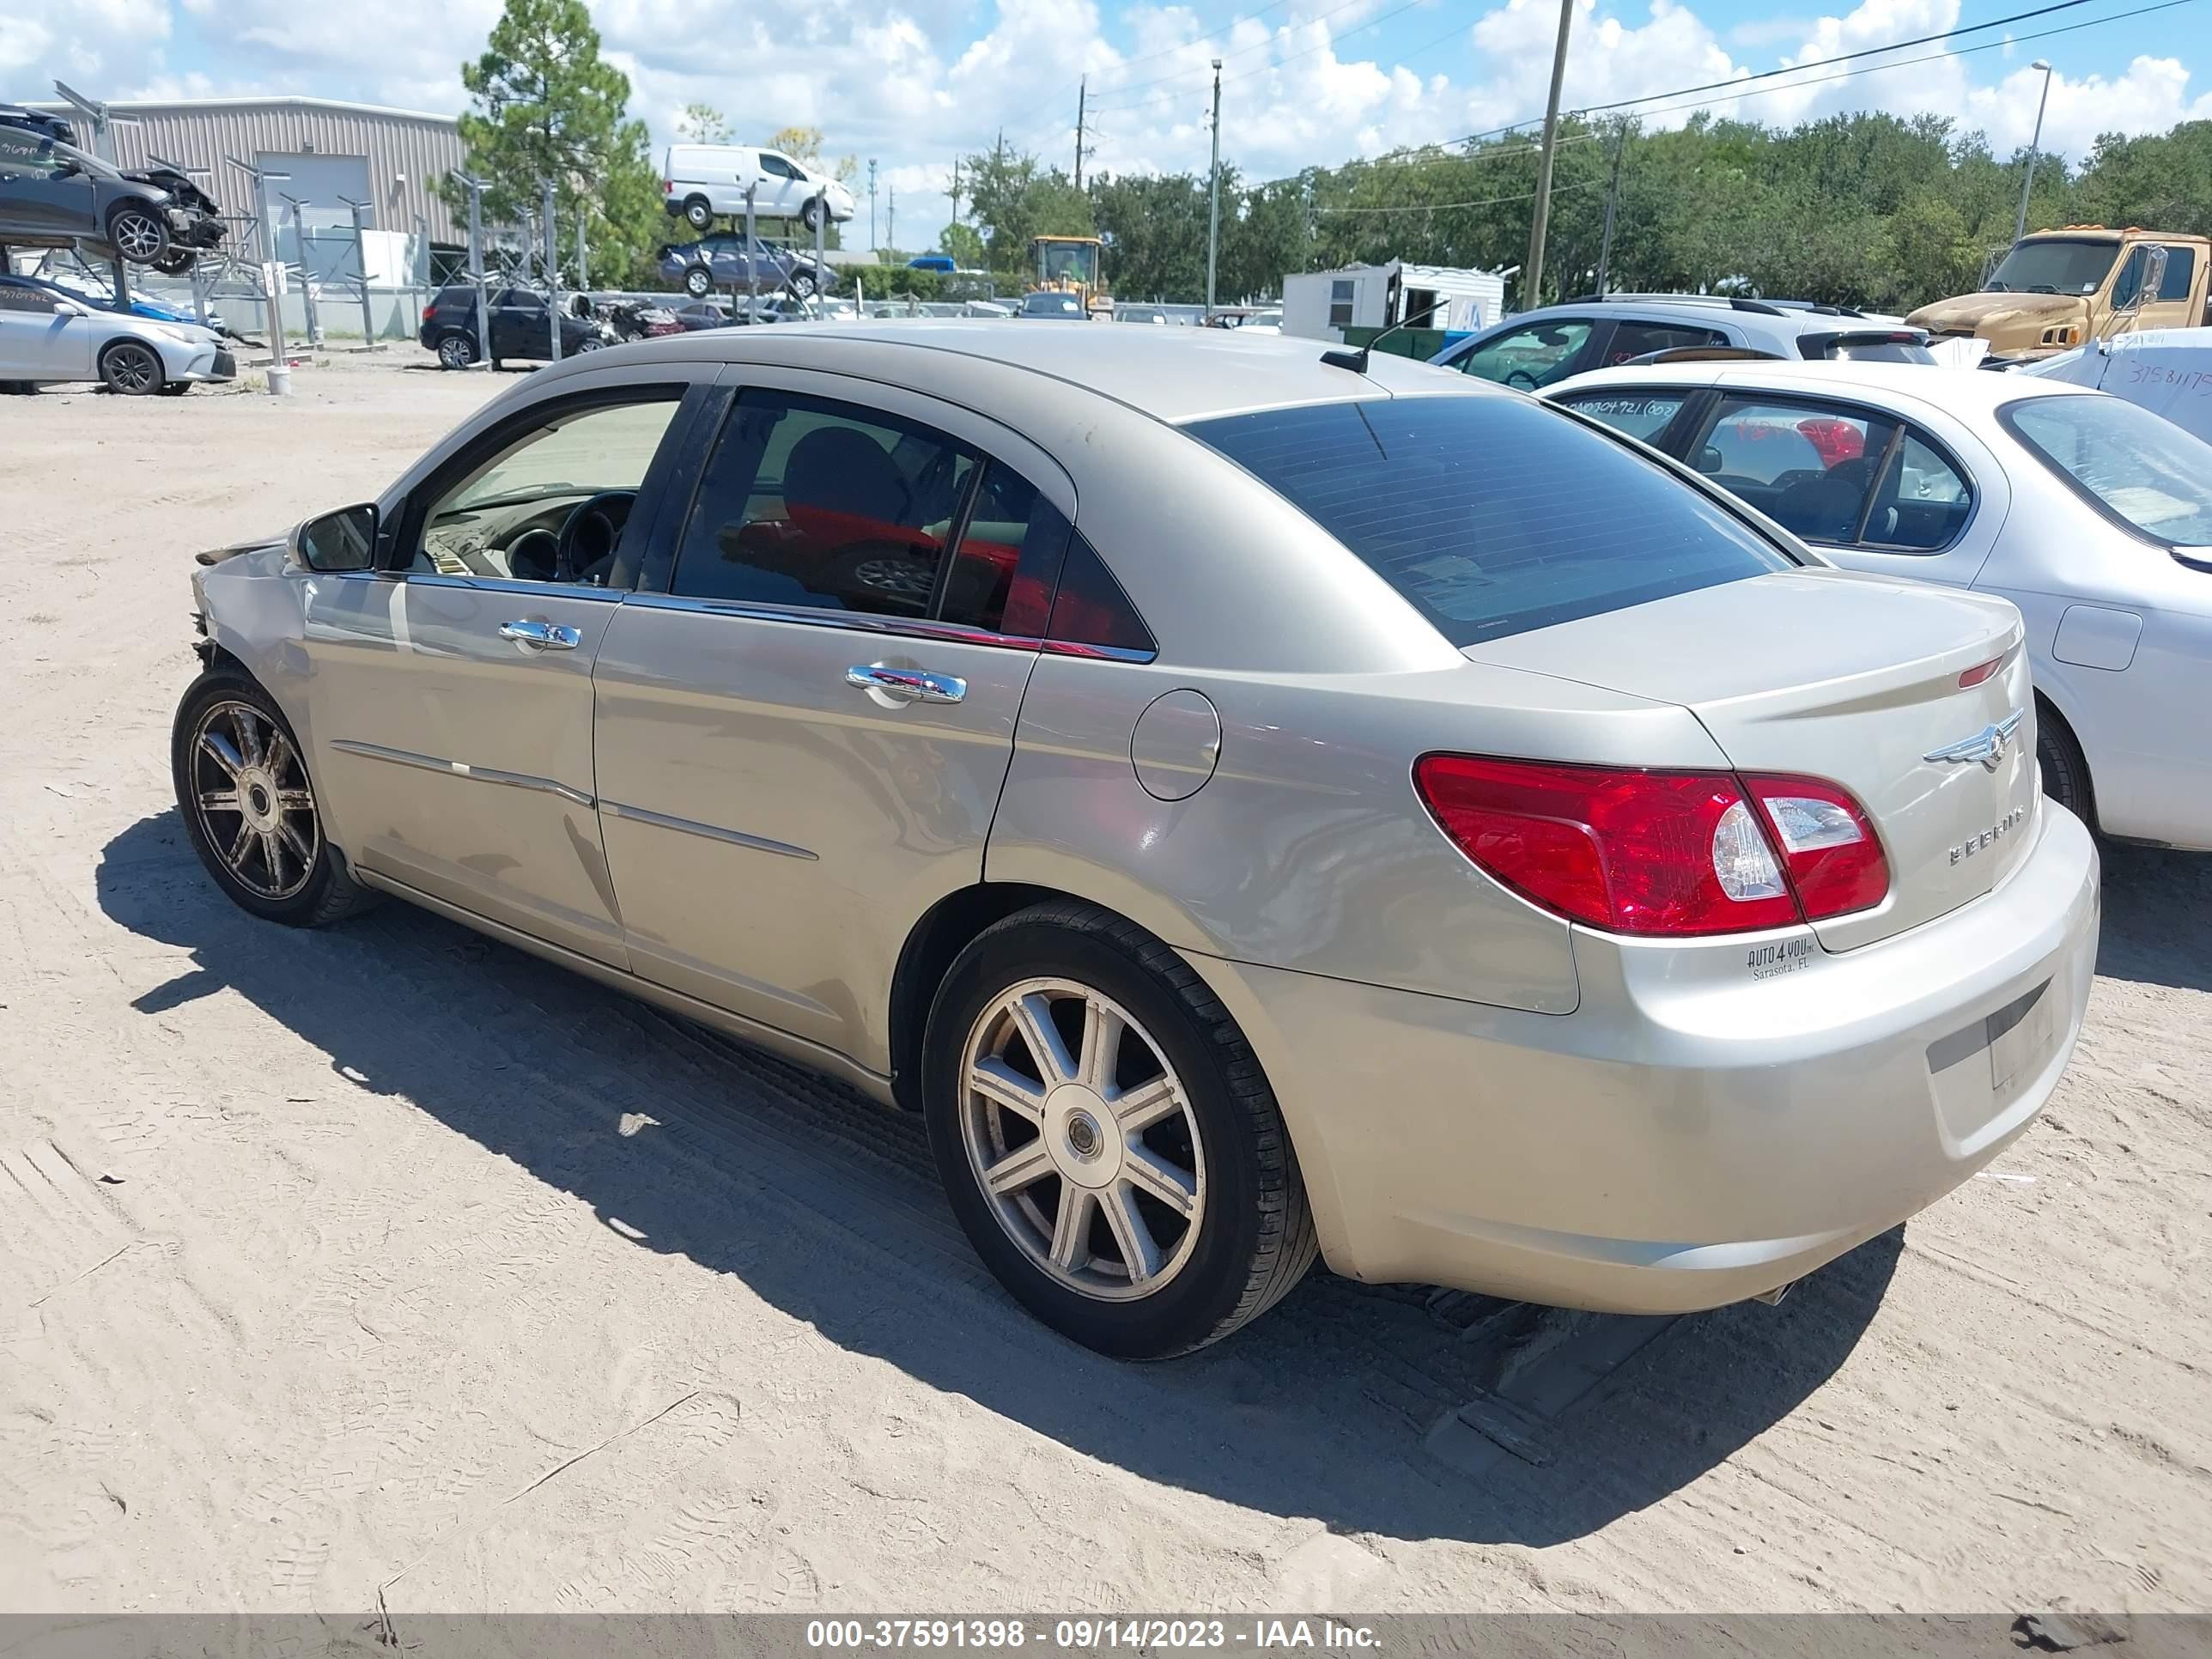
{"x":53,"y":193}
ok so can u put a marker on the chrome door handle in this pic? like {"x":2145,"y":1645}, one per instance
{"x":546,"y":636}
{"x":912,"y":684}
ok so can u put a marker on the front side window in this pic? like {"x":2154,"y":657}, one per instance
{"x":2139,"y":468}
{"x":2128,"y":284}
{"x":831,"y":506}
{"x":550,"y":504}
{"x":2180,"y":273}
{"x":1527,"y":357}
{"x":776,"y":166}
{"x":25,"y":300}
{"x":1641,"y":415}
{"x":1492,"y":515}
{"x":30,"y":155}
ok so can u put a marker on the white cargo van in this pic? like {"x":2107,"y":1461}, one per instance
{"x":701,"y":183}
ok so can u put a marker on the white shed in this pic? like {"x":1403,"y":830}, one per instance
{"x":1320,"y":305}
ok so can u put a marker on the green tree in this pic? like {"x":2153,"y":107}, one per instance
{"x":550,"y":109}
{"x":703,"y":123}
{"x":964,"y":244}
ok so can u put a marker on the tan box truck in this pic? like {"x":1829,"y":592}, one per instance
{"x":2060,"y":289}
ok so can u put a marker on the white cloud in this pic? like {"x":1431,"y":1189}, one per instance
{"x":915,"y":83}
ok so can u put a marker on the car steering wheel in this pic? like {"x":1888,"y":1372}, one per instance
{"x":1520,"y":375}
{"x":589,"y":536}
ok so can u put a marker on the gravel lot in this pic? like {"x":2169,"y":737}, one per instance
{"x":388,"y":1263}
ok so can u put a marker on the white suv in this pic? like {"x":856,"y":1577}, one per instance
{"x":1534,"y":349}
{"x":701,"y":183}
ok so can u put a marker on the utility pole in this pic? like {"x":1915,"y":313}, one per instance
{"x":1532,"y":281}
{"x":871,"y":204}
{"x":1213,"y":196}
{"x":1082,"y":96}
{"x":2019,"y":226}
{"x":955,"y":191}
{"x":891,"y":217}
{"x":1611,"y":196}
{"x":580,"y":268}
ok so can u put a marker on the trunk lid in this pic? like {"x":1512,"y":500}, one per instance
{"x":1850,"y":679}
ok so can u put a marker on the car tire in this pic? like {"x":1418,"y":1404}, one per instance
{"x":804,"y":285}
{"x":698,"y":282}
{"x":138,"y":234}
{"x":589,"y":343}
{"x":1239,"y":1232}
{"x":132,"y":368}
{"x":285,"y":870}
{"x":2065,"y":771}
{"x":809,"y":215}
{"x":697,"y":213}
{"x":177,"y":261}
{"x":456,"y":351}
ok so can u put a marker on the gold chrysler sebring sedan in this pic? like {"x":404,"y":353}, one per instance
{"x":1254,"y":802}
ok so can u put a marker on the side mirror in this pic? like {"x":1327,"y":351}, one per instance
{"x":343,"y":540}
{"x":1710,"y":460}
{"x":70,"y":308}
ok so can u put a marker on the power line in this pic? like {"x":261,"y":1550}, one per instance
{"x":1412,"y":152}
{"x":1927,"y":57}
{"x":1848,"y":56}
{"x":1439,"y":206}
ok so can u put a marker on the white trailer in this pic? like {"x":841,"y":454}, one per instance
{"x":1320,"y":305}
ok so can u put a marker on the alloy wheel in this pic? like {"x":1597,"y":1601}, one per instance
{"x":132,"y":368}
{"x":456,"y":352}
{"x":250,"y":793}
{"x":1082,"y":1140}
{"x":137,"y":236}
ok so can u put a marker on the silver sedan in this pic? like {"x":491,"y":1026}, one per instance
{"x":1255,"y":803}
{"x":2091,"y":514}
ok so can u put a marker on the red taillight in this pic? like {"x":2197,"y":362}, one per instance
{"x":1834,"y":858}
{"x":1656,"y":851}
{"x":1633,"y":851}
{"x":668,"y":187}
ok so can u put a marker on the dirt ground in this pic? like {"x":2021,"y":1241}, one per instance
{"x":388,"y":1264}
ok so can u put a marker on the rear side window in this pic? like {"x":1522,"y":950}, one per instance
{"x":829,"y":505}
{"x":1492,"y":515}
{"x":1641,"y":415}
{"x":1633,"y":340}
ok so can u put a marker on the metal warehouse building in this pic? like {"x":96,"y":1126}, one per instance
{"x":389,"y":158}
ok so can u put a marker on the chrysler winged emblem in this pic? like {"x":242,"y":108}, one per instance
{"x":1986,"y":745}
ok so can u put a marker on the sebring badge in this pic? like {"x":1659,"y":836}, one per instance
{"x":1986,"y":745}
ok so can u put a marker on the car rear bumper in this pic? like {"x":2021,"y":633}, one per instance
{"x":1713,"y":1121}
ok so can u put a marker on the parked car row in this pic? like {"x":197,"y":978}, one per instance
{"x":1253,"y":802}
{"x":521,"y":322}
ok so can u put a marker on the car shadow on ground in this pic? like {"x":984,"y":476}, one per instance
{"x":2158,"y":917}
{"x":826,"y":1206}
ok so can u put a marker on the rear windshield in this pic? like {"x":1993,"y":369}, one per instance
{"x":1493,"y":515}
{"x":1877,"y":349}
{"x":2138,"y":467}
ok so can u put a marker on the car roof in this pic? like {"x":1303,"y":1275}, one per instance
{"x":1174,"y":375}
{"x":1962,"y":393}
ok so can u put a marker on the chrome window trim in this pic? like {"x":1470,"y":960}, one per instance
{"x":710,"y":831}
{"x":462,"y":769}
{"x":486,"y":584}
{"x":864,"y":621}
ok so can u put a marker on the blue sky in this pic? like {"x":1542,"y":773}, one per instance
{"x":912,"y":83}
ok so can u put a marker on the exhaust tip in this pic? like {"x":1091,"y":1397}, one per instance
{"x":1773,"y":1298}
